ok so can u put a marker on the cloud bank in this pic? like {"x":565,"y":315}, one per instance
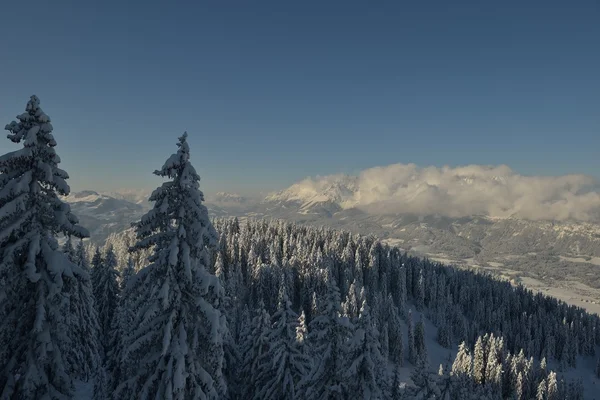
{"x":495,"y":191}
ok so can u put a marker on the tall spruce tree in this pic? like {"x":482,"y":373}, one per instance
{"x":107,"y":295}
{"x":255,"y":346}
{"x":85,"y":335}
{"x":36,"y":279}
{"x":328,"y":334}
{"x":365,"y":374}
{"x":176,"y":348}
{"x":286,"y":363}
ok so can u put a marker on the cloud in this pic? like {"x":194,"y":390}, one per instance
{"x":496,"y":191}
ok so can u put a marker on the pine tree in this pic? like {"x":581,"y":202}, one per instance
{"x":255,"y":347}
{"x":384,"y":339}
{"x":541,"y":391}
{"x":179,"y":330}
{"x":128,"y":273}
{"x":84,"y":346}
{"x":365,"y":372}
{"x":396,"y":392}
{"x":479,"y":362}
{"x":412,"y":352}
{"x":122,"y":324}
{"x":328,"y":333}
{"x":426,"y":384}
{"x":96,"y":272}
{"x":301,"y":330}
{"x":419,"y":339}
{"x":461,"y":372}
{"x":35,"y":314}
{"x":396,"y":344}
{"x":285,"y":362}
{"x":552,"y":390}
{"x":107,"y":295}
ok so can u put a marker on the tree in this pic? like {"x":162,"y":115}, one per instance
{"x":106,"y":288}
{"x":122,"y":324}
{"x":97,"y":267}
{"x":365,"y":375}
{"x":419,"y":338}
{"x":301,"y":330}
{"x":396,"y":392}
{"x":179,"y":329}
{"x":541,"y":390}
{"x":552,"y":390}
{"x":396,"y":345}
{"x":462,"y":372}
{"x":255,"y":347}
{"x":84,"y":330}
{"x":412,"y":352}
{"x":285,"y":362}
{"x":128,"y":273}
{"x":36,"y":278}
{"x":327,"y":336}
{"x":426,"y":383}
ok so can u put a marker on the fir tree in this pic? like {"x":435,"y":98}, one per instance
{"x":107,"y":294}
{"x":426,"y":383}
{"x":365,"y":372}
{"x":479,"y":362}
{"x":412,"y":352}
{"x":285,"y":362}
{"x":328,"y":333}
{"x":179,"y":330}
{"x":256,"y":346}
{"x":552,"y":389}
{"x":541,"y":391}
{"x":419,"y":339}
{"x":301,"y":330}
{"x":462,"y":372}
{"x":85,"y":346}
{"x":35,"y":312}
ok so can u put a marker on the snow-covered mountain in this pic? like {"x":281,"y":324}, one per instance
{"x":137,"y":196}
{"x":227,"y":198}
{"x":518,"y":227}
{"x":102,"y":214}
{"x":321,"y":197}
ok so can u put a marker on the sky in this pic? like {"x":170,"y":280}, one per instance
{"x":273,"y":91}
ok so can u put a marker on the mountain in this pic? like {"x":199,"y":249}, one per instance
{"x":325,"y":197}
{"x":561,"y":255}
{"x":137,"y":196}
{"x":102,"y":214}
{"x":227,"y":198}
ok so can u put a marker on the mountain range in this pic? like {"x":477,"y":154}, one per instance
{"x":559,"y":254}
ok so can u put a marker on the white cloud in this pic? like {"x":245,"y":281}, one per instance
{"x":495,"y":191}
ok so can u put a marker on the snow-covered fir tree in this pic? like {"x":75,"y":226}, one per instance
{"x":179,"y":329}
{"x":365,"y":374}
{"x":256,"y":344}
{"x":36,"y":278}
{"x":106,"y":290}
{"x":328,"y":334}
{"x":85,"y":344}
{"x":288,"y":365}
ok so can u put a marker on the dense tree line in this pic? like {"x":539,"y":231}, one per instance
{"x":182,"y":307}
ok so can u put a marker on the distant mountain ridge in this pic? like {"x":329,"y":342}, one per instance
{"x":556,"y":252}
{"x":103,"y":214}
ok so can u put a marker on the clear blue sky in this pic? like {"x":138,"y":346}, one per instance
{"x":273,"y":91}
